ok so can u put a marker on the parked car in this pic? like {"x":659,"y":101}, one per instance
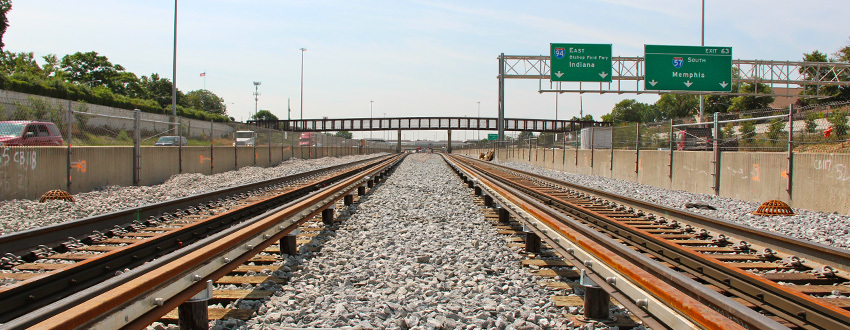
{"x":170,"y":141}
{"x":29,"y":133}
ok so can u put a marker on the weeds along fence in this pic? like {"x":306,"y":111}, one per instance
{"x":106,"y":146}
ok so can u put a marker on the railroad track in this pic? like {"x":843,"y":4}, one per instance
{"x":60,"y":274}
{"x":754,"y":278}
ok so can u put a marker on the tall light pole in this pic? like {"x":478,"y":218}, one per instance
{"x":370,"y":119}
{"x":174,"y":67}
{"x":702,"y":43}
{"x":256,"y":97}
{"x":478,"y":122}
{"x":302,"y":82}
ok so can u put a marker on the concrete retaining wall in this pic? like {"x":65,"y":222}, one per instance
{"x":29,"y":172}
{"x":820,"y":182}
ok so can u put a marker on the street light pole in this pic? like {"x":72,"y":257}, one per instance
{"x":302,"y":82}
{"x":256,"y":97}
{"x":174,"y":67}
{"x":702,"y":43}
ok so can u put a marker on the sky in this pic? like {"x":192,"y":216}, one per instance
{"x":412,"y":58}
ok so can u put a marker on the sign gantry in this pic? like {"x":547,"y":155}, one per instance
{"x":628,"y":76}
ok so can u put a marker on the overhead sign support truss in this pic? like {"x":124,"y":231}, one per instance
{"x":628,"y":75}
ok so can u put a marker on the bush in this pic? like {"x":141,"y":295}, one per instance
{"x":839,"y":123}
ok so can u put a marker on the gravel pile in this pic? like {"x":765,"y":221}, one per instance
{"x":417,"y":253}
{"x":17,"y":215}
{"x":825,"y":228}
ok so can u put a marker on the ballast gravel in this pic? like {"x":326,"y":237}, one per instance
{"x":825,"y":228}
{"x":18,"y":215}
{"x":417,"y":253}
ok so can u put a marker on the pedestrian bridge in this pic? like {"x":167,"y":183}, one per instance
{"x":426,"y":123}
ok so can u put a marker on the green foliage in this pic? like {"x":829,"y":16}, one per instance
{"x":775,"y":130}
{"x":727,"y":131}
{"x":835,"y":93}
{"x":522,"y":136}
{"x":742,"y":103}
{"x":207,"y":101}
{"x":82,"y":119}
{"x":344,"y":134}
{"x":5,"y":7}
{"x":677,"y":105}
{"x":839,"y":123}
{"x":632,"y":111}
{"x":748,"y":130}
{"x":811,"y":121}
{"x":546,"y":139}
{"x":585,"y":118}
{"x":123,"y":136}
{"x":264,"y":115}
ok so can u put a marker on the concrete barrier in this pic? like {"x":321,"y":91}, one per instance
{"x":820,"y":182}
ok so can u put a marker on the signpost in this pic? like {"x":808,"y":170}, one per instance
{"x":688,"y":68}
{"x":580,"y":62}
{"x":492,"y":137}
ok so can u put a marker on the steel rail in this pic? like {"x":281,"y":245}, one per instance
{"x":632,"y":266}
{"x":21,"y":243}
{"x":130,"y":303}
{"x":793,"y":305}
{"x":835,"y":257}
{"x":28,"y":295}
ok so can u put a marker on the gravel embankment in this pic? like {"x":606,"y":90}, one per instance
{"x":825,"y":228}
{"x":417,"y":253}
{"x":17,"y":215}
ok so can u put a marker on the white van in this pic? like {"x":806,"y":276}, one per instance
{"x":244,"y":138}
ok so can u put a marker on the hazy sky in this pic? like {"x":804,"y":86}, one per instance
{"x":413,"y":58}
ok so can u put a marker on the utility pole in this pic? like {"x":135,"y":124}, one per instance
{"x":256,"y":97}
{"x":302,"y":82}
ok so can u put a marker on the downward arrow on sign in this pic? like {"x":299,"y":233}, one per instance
{"x":688,"y":83}
{"x":653,"y":82}
{"x":724,"y":84}
{"x":603,"y":75}
{"x":559,"y":74}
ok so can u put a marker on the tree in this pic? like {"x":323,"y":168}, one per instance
{"x":839,"y":123}
{"x":811,"y":121}
{"x":207,"y":101}
{"x":5,"y":7}
{"x":20,"y":63}
{"x":585,"y":118}
{"x":95,"y":70}
{"x":677,"y":105}
{"x":264,"y":115}
{"x":775,"y":131}
{"x":742,"y":103}
{"x":748,"y":130}
{"x":344,"y":134}
{"x":628,"y":110}
{"x":159,"y":89}
{"x":835,"y":93}
{"x":546,"y":139}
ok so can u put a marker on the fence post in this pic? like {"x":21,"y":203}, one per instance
{"x":592,"y":147}
{"x":70,"y":121}
{"x":716,"y":155}
{"x":637,"y":150}
{"x":790,"y":150}
{"x":212,"y":167}
{"x":269,"y":134}
{"x":137,"y":146}
{"x":179,"y":145}
{"x":670,"y":143}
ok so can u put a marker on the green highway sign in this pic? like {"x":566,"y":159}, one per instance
{"x":688,"y":68}
{"x":492,"y":137}
{"x":580,"y":62}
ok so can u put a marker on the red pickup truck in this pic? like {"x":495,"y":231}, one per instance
{"x":29,"y":133}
